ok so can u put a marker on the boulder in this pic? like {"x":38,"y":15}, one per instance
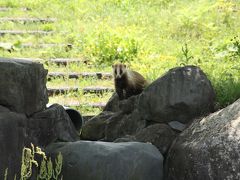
{"x":42,"y":128}
{"x":24,"y":118}
{"x":177,"y":126}
{"x":113,"y":104}
{"x":52,"y":124}
{"x":121,"y":124}
{"x":94,"y":128}
{"x":110,"y":125}
{"x":23,"y":86}
{"x":127,"y":138}
{"x":125,"y":106}
{"x":181,"y":94}
{"x":208,"y":149}
{"x":112,"y":161}
{"x":160,"y":135}
{"x":13,"y":136}
{"x":178,"y":97}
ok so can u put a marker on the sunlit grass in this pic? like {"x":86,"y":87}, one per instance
{"x":81,"y":102}
{"x":81,"y":82}
{"x":146,"y":34}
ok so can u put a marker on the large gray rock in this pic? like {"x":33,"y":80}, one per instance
{"x":181,"y":94}
{"x":122,"y":124}
{"x":127,"y":138}
{"x":178,"y":97}
{"x":24,"y":118}
{"x":160,"y":135}
{"x":18,"y":131}
{"x":112,"y":161}
{"x":13,"y":136}
{"x":208,"y":149}
{"x":52,"y":124}
{"x":113,"y":104}
{"x":94,"y":128}
{"x":110,"y":125}
{"x":23,"y":86}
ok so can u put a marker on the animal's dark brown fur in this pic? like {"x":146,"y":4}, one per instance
{"x":127,"y":82}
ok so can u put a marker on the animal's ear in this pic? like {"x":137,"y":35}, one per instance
{"x":113,"y":66}
{"x":125,"y":66}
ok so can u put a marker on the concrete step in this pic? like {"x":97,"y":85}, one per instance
{"x":11,"y":46}
{"x":78,"y":105}
{"x":66,"y":61}
{"x":74,"y":75}
{"x":4,"y":9}
{"x":58,"y":61}
{"x":10,"y":8}
{"x":25,"y":32}
{"x":97,"y":90}
{"x":85,"y":90}
{"x":44,"y":45}
{"x":63,"y":90}
{"x":31,"y":59}
{"x":28,"y":20}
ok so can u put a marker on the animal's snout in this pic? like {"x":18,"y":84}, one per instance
{"x":118,"y":76}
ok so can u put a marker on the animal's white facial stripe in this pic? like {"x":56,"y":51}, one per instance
{"x":119,"y":70}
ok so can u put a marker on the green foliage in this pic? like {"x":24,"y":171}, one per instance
{"x":28,"y":161}
{"x":235,"y":46}
{"x":149,"y":35}
{"x":186,"y":56}
{"x":47,"y":170}
{"x":6,"y":174}
{"x":108,"y":47}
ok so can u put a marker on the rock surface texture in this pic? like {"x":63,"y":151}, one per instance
{"x":161,"y":111}
{"x":13,"y":136}
{"x":52,"y":124}
{"x":160,"y":135}
{"x":23,"y":86}
{"x":208,"y":149}
{"x":112,"y":161}
{"x":24,"y":118}
{"x":18,"y":131}
{"x":180,"y":95}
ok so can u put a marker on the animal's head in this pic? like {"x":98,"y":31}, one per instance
{"x":118,"y":70}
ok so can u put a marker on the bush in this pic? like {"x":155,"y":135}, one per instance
{"x":47,"y":170}
{"x":108,"y":47}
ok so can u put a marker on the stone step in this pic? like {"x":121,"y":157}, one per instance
{"x":92,"y":105}
{"x":97,"y":90}
{"x":32,"y":45}
{"x":85,"y":90}
{"x":24,"y":32}
{"x":74,"y":75}
{"x":58,"y":61}
{"x":10,"y":8}
{"x":4,"y":9}
{"x":63,"y":90}
{"x":31,"y":59}
{"x":44,"y":45}
{"x":28,"y":20}
{"x":66,"y":61}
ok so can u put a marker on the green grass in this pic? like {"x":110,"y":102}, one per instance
{"x":79,"y":67}
{"x":81,"y":82}
{"x":83,"y":100}
{"x":148,"y":35}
